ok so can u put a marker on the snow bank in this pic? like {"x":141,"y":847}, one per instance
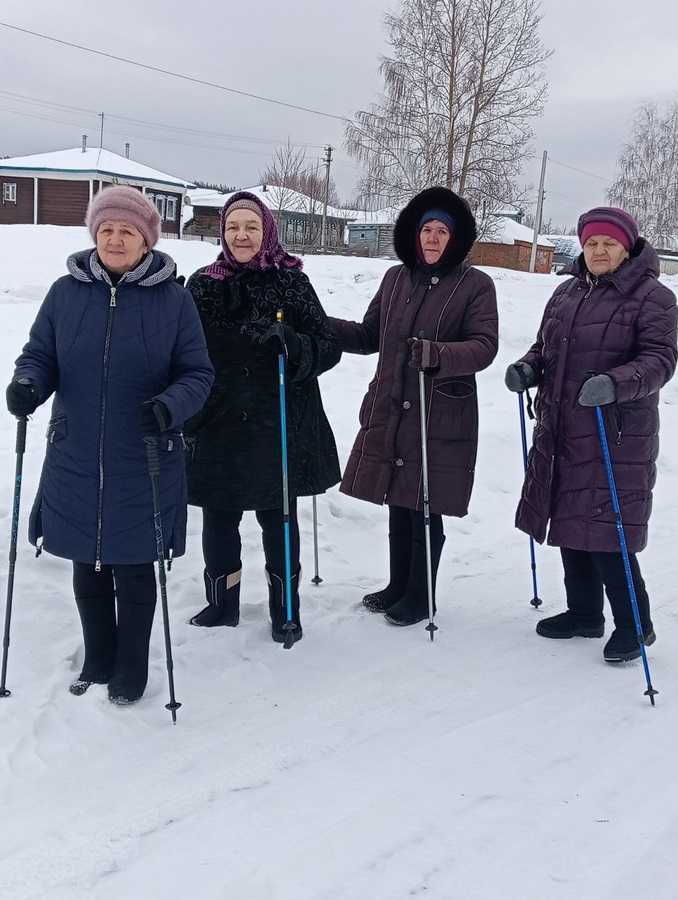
{"x":367,"y":762}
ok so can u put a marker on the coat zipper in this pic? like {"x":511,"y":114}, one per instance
{"x":593,"y":284}
{"x":102,"y":423}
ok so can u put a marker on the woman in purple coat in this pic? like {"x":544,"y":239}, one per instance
{"x":608,"y":339}
{"x":437,"y":296}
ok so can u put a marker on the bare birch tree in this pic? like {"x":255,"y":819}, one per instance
{"x":647,"y":181}
{"x":281,"y":175}
{"x":462,"y":85}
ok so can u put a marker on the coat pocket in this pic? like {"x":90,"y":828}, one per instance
{"x":57,"y":429}
{"x":453,"y":409}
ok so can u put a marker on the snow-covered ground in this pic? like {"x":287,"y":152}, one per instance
{"x":367,"y":763}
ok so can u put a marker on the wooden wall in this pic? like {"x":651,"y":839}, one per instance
{"x":21,"y":212}
{"x":62,"y":202}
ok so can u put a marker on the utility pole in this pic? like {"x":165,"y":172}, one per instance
{"x":323,"y":228}
{"x":537,"y":218}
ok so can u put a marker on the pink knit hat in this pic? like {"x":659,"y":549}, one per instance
{"x":124,"y":204}
{"x":611,"y":222}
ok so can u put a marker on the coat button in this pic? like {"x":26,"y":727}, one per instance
{"x":435,"y":279}
{"x":399,"y":462}
{"x":243,"y":416}
{"x":245,"y":371}
{"x":407,"y":404}
{"x":408,"y":300}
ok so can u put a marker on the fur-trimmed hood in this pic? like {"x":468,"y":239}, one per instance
{"x":406,"y":230}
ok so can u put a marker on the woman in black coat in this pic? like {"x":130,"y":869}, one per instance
{"x":235,"y":460}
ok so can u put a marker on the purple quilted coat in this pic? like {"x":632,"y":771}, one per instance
{"x":623,"y":325}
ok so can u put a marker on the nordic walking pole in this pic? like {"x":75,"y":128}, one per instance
{"x":431,"y":627}
{"x":535,"y":601}
{"x":289,"y":624}
{"x":153,"y":460}
{"x":316,"y":578}
{"x":650,"y":692}
{"x":21,"y":424}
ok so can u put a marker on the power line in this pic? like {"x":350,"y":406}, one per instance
{"x":169,"y":72}
{"x":581,"y":171}
{"x":163,"y":126}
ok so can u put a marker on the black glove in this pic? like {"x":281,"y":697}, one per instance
{"x":424,"y":355}
{"x":22,"y":397}
{"x":599,"y":390}
{"x":155,"y":418}
{"x":519,"y":377}
{"x":281,"y":338}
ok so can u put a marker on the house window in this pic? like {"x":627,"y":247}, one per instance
{"x":171,"y":209}
{"x":160,"y":204}
{"x":8,"y":192}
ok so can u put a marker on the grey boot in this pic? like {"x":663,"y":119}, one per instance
{"x":223,"y":597}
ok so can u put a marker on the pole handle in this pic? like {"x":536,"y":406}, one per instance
{"x":21,"y":427}
{"x":152,"y":455}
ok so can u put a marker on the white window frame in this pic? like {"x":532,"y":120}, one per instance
{"x":160,"y":204}
{"x":9,"y":192}
{"x":171,"y":204}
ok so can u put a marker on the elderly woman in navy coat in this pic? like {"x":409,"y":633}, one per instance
{"x":119,"y":344}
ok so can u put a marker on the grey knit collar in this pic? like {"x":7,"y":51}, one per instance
{"x":86,"y":267}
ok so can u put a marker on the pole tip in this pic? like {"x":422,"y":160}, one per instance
{"x":316,"y":580}
{"x":651,"y":693}
{"x":536,"y":602}
{"x":431,"y":628}
{"x":5,"y":693}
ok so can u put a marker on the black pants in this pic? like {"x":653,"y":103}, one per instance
{"x":408,"y":525}
{"x":116,"y":648}
{"x":587,"y":573}
{"x":222,"y":547}
{"x":407,"y":553}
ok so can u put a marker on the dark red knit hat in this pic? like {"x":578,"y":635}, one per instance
{"x":610,"y":221}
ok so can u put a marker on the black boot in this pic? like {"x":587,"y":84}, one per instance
{"x":277,"y":605}
{"x":97,"y":616}
{"x":136,"y":592}
{"x":399,"y":557}
{"x":413,"y":607}
{"x":623,"y":644}
{"x":584,"y":592}
{"x":223,"y":597}
{"x":569,"y":625}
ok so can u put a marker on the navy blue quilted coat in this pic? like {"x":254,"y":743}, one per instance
{"x":103,"y":351}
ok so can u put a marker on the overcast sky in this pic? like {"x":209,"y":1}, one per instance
{"x":609,"y":56}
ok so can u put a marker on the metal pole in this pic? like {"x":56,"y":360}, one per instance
{"x":153,"y":460}
{"x":431,"y":627}
{"x":289,"y":624}
{"x":20,"y":450}
{"x":607,"y":459}
{"x":535,"y":601}
{"x":316,"y":578}
{"x":540,"y":207}
{"x":323,"y":227}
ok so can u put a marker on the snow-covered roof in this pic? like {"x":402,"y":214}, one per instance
{"x":565,"y":244}
{"x":374,"y":217}
{"x":93,"y":161}
{"x":274,"y":197}
{"x":507,"y":231}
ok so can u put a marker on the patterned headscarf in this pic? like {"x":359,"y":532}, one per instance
{"x":271,"y":254}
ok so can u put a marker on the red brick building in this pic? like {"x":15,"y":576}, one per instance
{"x":509,"y":245}
{"x":55,"y":188}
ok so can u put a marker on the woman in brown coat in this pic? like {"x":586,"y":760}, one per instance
{"x":436,"y":312}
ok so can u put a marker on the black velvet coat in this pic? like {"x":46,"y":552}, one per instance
{"x":234,"y":459}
